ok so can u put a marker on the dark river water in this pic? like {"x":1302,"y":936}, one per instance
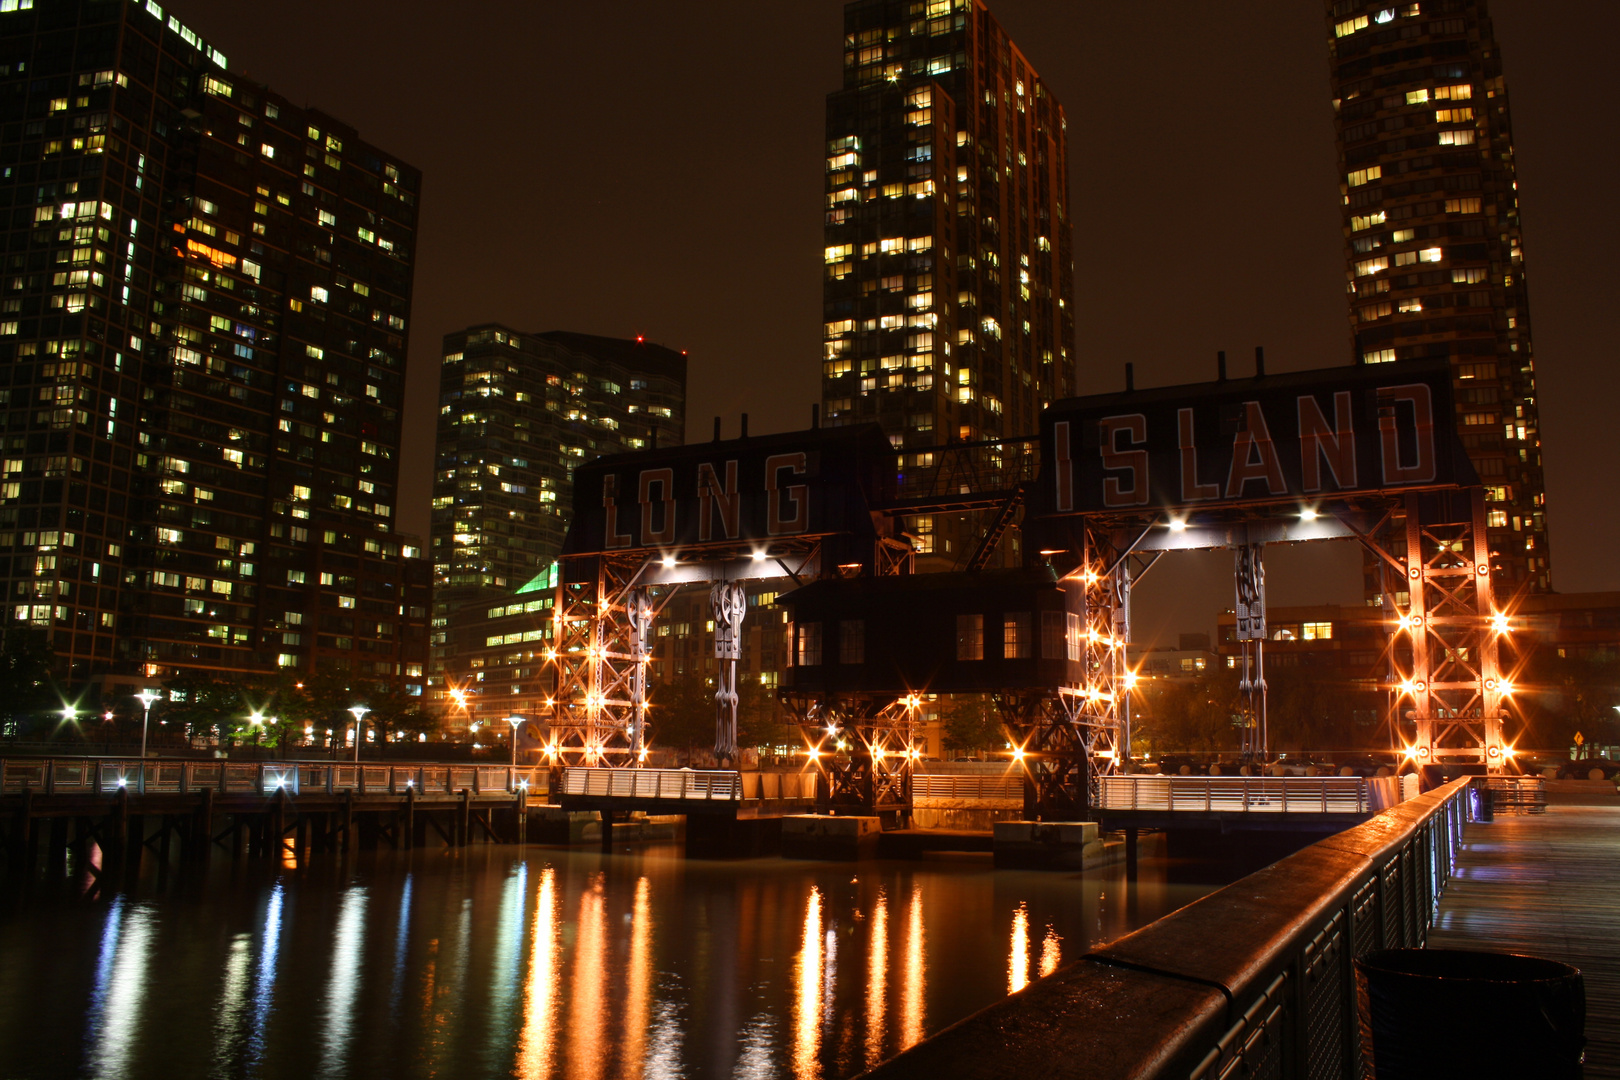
{"x":531,"y":962}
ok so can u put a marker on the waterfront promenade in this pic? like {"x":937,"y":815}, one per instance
{"x":1548,"y":885}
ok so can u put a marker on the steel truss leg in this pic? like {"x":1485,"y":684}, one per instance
{"x":863,"y":748}
{"x":1446,"y":666}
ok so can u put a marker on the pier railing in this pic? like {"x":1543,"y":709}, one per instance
{"x":1240,"y":794}
{"x":107,"y":776}
{"x":1253,"y":980}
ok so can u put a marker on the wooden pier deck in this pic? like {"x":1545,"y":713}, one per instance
{"x":1547,"y":885}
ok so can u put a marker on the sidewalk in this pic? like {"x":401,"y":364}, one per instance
{"x":1548,"y":885}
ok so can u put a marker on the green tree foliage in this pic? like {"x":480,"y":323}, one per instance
{"x":970,"y":724}
{"x":1560,"y":695}
{"x":761,"y":721}
{"x":26,"y":689}
{"x":683,"y":713}
{"x":205,"y":707}
{"x":1189,"y":715}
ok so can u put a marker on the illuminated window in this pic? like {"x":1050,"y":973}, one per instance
{"x":1460,"y":137}
{"x":1362,"y":176}
{"x":1317,"y":631}
{"x":1017,"y":641}
{"x":1366,"y":221}
{"x":1453,"y":116}
{"x":1433,"y":254}
{"x":1416,"y":97}
{"x":1463,"y":206}
{"x":809,"y":644}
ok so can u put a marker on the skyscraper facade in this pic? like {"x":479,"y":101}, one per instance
{"x":1433,"y":240}
{"x":203,"y":322}
{"x":949,"y":294}
{"x":517,"y":412}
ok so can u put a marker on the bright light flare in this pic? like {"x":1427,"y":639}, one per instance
{"x":1500,"y":624}
{"x":1308,"y":514}
{"x":669,"y":562}
{"x":1178,"y":524}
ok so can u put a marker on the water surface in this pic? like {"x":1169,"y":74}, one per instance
{"x":531,"y":962}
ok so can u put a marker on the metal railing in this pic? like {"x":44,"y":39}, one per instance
{"x":967,"y":786}
{"x":1228,"y":986}
{"x":1518,"y":793}
{"x":1243,"y":794}
{"x":107,"y":776}
{"x":708,"y":785}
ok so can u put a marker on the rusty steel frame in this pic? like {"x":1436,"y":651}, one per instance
{"x":600,"y":647}
{"x":862,"y":747}
{"x":1453,"y":679}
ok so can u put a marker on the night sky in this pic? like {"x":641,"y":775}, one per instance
{"x":655,"y":168}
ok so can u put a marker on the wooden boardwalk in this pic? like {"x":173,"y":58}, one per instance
{"x":1547,"y":885}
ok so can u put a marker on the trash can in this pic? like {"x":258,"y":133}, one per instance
{"x":1456,"y":1012}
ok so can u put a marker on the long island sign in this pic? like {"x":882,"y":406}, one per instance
{"x":1306,"y":435}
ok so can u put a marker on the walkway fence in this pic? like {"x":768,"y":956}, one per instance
{"x":1254,"y":980}
{"x":107,"y":776}
{"x":711,"y":785}
{"x":1245,"y":794}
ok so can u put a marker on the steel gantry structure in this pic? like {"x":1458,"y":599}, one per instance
{"x":1366,"y":453}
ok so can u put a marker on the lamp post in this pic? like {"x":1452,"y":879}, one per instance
{"x":256,"y":719}
{"x":514,"y":721}
{"x":359,"y":715}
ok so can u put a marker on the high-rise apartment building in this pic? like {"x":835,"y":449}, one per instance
{"x":1433,"y":240}
{"x":517,"y":412}
{"x":203,"y":312}
{"x":949,"y":293}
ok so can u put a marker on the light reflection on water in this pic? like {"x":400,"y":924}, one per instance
{"x":539,"y":963}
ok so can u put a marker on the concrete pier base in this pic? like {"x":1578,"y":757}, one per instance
{"x":718,"y":836}
{"x":837,"y":839}
{"x":1051,"y":845}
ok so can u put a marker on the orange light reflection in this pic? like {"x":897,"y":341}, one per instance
{"x":535,"y":1044}
{"x":588,"y":1008}
{"x":639,"y":991}
{"x":912,"y":1014}
{"x":1051,"y":952}
{"x":1018,"y":958}
{"x":877,"y":981}
{"x":807,"y":1001}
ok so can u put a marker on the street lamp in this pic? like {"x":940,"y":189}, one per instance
{"x":514,"y":721}
{"x":359,"y":712}
{"x":145,"y":697}
{"x":256,"y":719}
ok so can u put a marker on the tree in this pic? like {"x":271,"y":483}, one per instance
{"x":761,"y":721}
{"x":204,"y":706}
{"x":1561,"y":695}
{"x":26,"y":687}
{"x":683,"y":712}
{"x":1191,"y":714}
{"x":971,"y":724}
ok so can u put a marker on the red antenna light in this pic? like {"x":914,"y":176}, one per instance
{"x":639,"y":339}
